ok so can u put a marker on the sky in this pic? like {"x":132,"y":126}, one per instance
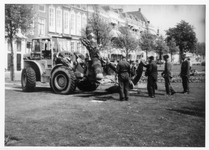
{"x":168,"y":16}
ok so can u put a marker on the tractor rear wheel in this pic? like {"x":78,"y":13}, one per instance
{"x":63,"y":80}
{"x":28,"y":79}
{"x":87,"y":85}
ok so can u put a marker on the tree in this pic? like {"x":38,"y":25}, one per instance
{"x":125,"y":40}
{"x":17,"y":17}
{"x":172,"y":47}
{"x":101,"y":29}
{"x":200,"y":49}
{"x":184,"y":36}
{"x":160,"y":46}
{"x":146,"y":42}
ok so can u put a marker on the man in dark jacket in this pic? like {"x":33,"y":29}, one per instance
{"x":139,"y":72}
{"x":185,"y":73}
{"x":167,"y":76}
{"x":151,"y":73}
{"x":123,"y":69}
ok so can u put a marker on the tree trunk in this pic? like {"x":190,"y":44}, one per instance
{"x":180,"y":55}
{"x":160,"y":55}
{"x":146,"y":54}
{"x":127,"y":55}
{"x":12,"y":61}
{"x":171,"y":57}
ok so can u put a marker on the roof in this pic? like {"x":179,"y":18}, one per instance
{"x":106,"y":7}
{"x":139,"y":15}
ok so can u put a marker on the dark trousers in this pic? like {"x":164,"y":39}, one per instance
{"x":168,"y":87}
{"x":123,"y":88}
{"x":151,"y":83}
{"x":185,"y":83}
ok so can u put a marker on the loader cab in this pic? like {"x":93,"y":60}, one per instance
{"x":41,"y":48}
{"x":42,"y":51}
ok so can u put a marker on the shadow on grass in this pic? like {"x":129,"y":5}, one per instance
{"x":90,"y":94}
{"x":98,"y":96}
{"x":105,"y":98}
{"x":190,"y":111}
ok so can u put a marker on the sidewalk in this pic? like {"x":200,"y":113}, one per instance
{"x":17,"y":76}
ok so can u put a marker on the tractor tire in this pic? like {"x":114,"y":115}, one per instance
{"x":63,"y":80}
{"x":28,"y":79}
{"x":87,"y":85}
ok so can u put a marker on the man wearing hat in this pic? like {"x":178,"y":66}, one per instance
{"x":185,"y":73}
{"x":167,"y":76}
{"x":151,"y":74}
{"x":123,"y":69}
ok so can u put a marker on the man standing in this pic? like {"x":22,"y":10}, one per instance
{"x":139,"y":72}
{"x":167,"y":76}
{"x":123,"y":69}
{"x":185,"y":73}
{"x":151,"y":73}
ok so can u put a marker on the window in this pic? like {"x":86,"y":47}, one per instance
{"x":59,"y":20}
{"x":66,"y":22}
{"x":84,"y":21}
{"x":41,"y":26}
{"x":79,"y":47}
{"x":78,"y":24}
{"x":72,"y":47}
{"x":41,"y":8}
{"x":51,"y":19}
{"x":18,"y":46}
{"x":72,"y":23}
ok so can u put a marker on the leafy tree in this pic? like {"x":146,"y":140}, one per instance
{"x":17,"y":16}
{"x":184,"y":36}
{"x":200,"y":49}
{"x":101,"y":29}
{"x":125,"y":40}
{"x":147,"y":41}
{"x":173,"y":49}
{"x":160,"y":46}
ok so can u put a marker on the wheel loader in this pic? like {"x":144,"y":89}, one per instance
{"x":49,"y":62}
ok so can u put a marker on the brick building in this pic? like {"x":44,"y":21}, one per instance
{"x":68,"y":20}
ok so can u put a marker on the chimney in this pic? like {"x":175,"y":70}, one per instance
{"x":139,"y":9}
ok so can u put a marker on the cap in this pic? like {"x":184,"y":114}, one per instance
{"x":151,"y":58}
{"x":165,"y":56}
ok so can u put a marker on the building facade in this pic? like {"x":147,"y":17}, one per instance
{"x":69,"y":20}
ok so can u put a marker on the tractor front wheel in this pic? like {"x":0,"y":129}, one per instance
{"x":28,"y":79}
{"x":63,"y":80}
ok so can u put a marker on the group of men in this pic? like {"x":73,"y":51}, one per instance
{"x":124,"y":70}
{"x":124,"y":76}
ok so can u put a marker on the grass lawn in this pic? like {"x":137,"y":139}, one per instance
{"x":98,"y":119}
